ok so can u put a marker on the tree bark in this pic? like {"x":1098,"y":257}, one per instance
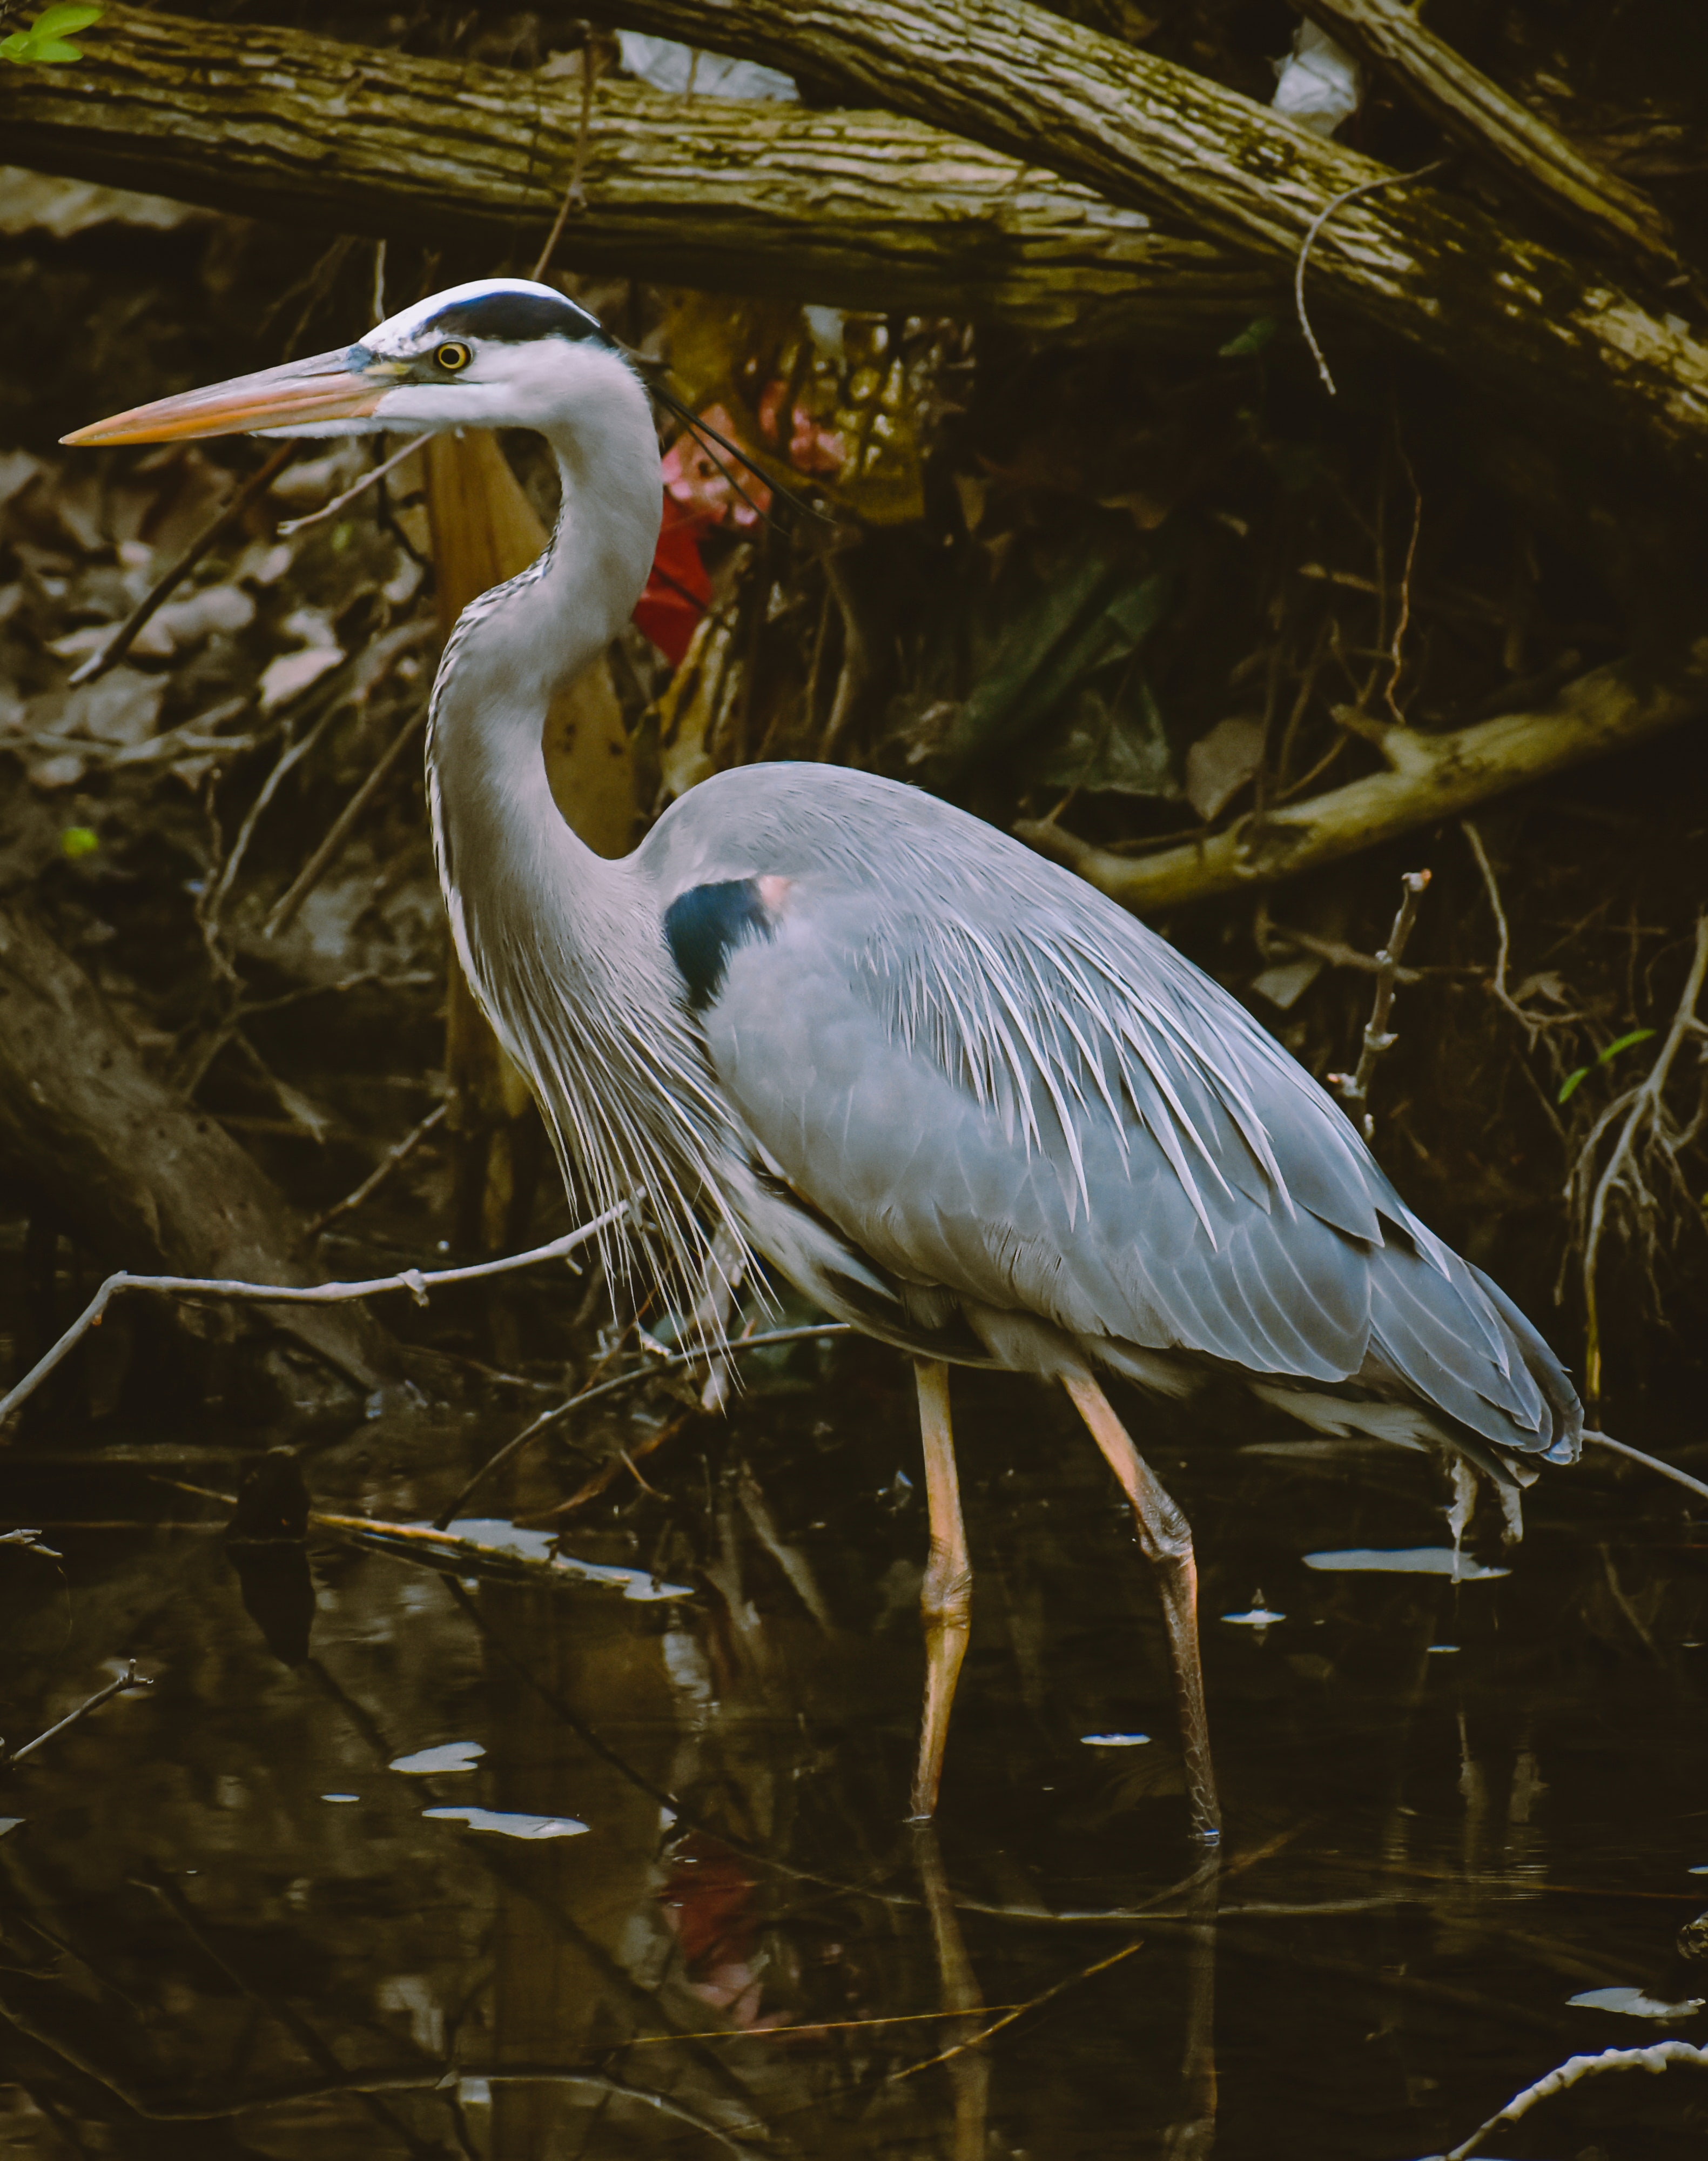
{"x":146,"y":1182}
{"x":1518,"y":143}
{"x":859,"y":209}
{"x":1429,"y":778}
{"x":1417,"y":263}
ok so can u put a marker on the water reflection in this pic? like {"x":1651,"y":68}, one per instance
{"x":322,"y":1895}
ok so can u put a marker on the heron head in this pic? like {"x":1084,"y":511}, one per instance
{"x":500,"y":352}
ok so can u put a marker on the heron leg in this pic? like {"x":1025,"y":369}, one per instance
{"x":1165,"y":1538}
{"x":945,"y":1597}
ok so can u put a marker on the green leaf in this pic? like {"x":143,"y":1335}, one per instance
{"x":63,"y":22}
{"x":1568,"y":1087}
{"x":78,"y":841}
{"x":45,"y":43}
{"x":1252,"y":339}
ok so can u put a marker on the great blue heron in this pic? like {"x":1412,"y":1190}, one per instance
{"x":944,"y":1086}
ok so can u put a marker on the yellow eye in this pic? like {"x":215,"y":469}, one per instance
{"x":453,"y":358}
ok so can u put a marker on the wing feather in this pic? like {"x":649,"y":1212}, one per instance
{"x":992,"y":1081}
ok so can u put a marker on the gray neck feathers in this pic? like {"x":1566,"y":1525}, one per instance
{"x":564,"y":949}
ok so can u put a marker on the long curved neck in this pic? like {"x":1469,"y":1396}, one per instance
{"x":506,"y":855}
{"x":515,"y":647}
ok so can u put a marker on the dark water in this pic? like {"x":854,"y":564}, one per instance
{"x":1430,"y":1851}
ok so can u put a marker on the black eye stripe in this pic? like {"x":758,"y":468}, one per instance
{"x":515,"y":319}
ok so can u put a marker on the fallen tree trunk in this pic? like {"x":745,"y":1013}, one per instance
{"x":1425,"y":265}
{"x":141,"y":1179}
{"x":1429,"y":776}
{"x":1517,"y":142}
{"x":859,"y":209}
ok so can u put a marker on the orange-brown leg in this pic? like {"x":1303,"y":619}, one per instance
{"x":945,"y":1597}
{"x":1165,"y":1538}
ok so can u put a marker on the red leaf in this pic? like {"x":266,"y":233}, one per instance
{"x":702,"y":487}
{"x":679,"y":591}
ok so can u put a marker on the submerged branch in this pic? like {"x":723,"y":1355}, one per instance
{"x":129,"y":1680}
{"x":1656,"y":2057}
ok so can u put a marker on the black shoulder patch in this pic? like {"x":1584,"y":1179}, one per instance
{"x":515,"y":319}
{"x":705,"y":925}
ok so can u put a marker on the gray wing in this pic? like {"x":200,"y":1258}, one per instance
{"x":992,"y":1079}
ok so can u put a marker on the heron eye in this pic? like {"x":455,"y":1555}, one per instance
{"x":453,"y":358}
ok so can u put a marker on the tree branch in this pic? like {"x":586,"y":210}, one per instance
{"x":1463,"y":102}
{"x":1429,"y":267}
{"x":854,"y":209}
{"x":1430,"y":777}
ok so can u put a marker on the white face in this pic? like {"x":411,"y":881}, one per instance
{"x":501,"y":353}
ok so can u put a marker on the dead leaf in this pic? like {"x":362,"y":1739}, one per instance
{"x":1287,"y":981}
{"x":33,"y":202}
{"x":292,"y":673}
{"x":64,"y":771}
{"x":187,"y":622}
{"x":122,"y":707}
{"x":1221,"y":765}
{"x":17,"y":469}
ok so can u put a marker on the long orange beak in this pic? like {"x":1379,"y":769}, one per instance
{"x":301,"y":393}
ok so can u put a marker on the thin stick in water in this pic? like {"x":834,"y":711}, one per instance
{"x":513,"y":1447}
{"x":129,"y":1678}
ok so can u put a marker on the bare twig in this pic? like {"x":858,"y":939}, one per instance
{"x":1532,"y":1024}
{"x":377,"y":1176}
{"x":353,"y":684}
{"x":574,"y":196}
{"x":1354,"y":1088}
{"x":371,"y":478}
{"x":416,"y":1281}
{"x":1336,"y":203}
{"x":1654,"y":2057}
{"x":513,"y":1447}
{"x":284,"y":909}
{"x":1019,"y":2010}
{"x":1398,"y":649}
{"x":1653,"y":1462}
{"x":213,"y":897}
{"x":1645,"y":1116}
{"x":129,"y":1678}
{"x":163,"y":588}
{"x":592,"y":1487}
{"x":857,"y":660}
